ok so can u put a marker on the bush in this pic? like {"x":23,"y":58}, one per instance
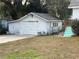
{"x":2,"y":30}
{"x":75,"y":26}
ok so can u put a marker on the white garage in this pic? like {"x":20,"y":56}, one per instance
{"x":31,"y":28}
{"x":34,"y":24}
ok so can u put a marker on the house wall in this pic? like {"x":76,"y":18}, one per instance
{"x":75,"y":14}
{"x":30,"y":25}
{"x":4,"y":23}
{"x":56,"y":26}
{"x":14,"y":28}
{"x":33,"y":25}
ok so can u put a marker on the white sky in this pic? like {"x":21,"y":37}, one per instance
{"x":23,"y":2}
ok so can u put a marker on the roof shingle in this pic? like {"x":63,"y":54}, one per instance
{"x":74,"y":3}
{"x":42,"y":15}
{"x":46,"y":16}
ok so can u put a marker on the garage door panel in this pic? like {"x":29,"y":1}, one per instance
{"x":29,"y":28}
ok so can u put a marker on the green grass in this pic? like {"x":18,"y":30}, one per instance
{"x":42,"y":47}
{"x":28,"y":54}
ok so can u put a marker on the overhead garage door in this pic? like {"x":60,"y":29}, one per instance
{"x":29,"y":28}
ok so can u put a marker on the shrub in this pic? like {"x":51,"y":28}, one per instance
{"x":75,"y":26}
{"x":2,"y":30}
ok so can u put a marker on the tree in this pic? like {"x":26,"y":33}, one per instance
{"x":14,"y":8}
{"x":59,"y":8}
{"x":36,"y":6}
{"x":19,"y":8}
{"x":1,"y":9}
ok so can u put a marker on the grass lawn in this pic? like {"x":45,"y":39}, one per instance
{"x":42,"y":47}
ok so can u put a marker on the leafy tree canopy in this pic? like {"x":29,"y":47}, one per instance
{"x":19,"y":8}
{"x":59,"y":8}
{"x":1,"y":9}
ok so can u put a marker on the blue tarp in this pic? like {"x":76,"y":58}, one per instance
{"x":68,"y":32}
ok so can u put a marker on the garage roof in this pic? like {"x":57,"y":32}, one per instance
{"x":74,"y":3}
{"x":44,"y":16}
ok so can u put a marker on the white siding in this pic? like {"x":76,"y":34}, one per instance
{"x":33,"y":25}
{"x":56,"y":28}
{"x":28,"y":28}
{"x":4,"y":23}
{"x":43,"y":26}
{"x":75,"y":14}
{"x":60,"y":25}
{"x":14,"y":28}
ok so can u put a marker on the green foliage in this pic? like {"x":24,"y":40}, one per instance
{"x":59,"y":8}
{"x":2,"y":12}
{"x":75,"y":26}
{"x":28,"y":54}
{"x":16,"y":9}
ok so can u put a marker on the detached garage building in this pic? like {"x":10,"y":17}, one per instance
{"x":35,"y":24}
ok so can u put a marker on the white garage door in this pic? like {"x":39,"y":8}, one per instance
{"x":29,"y":28}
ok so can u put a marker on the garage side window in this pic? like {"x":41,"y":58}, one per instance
{"x":55,"y":24}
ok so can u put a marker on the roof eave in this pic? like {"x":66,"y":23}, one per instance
{"x":73,"y":6}
{"x":55,"y":20}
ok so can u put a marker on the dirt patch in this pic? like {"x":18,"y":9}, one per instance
{"x":50,"y":47}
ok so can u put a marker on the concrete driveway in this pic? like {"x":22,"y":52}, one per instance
{"x":9,"y":38}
